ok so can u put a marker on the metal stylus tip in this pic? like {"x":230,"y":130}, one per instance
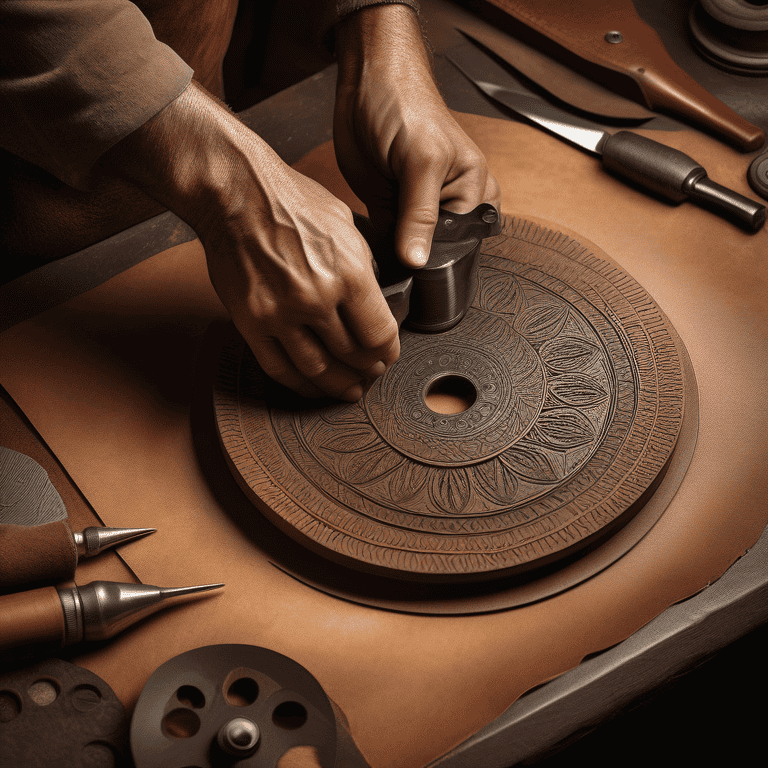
{"x":96,"y":539}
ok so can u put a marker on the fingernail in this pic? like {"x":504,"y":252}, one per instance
{"x":353,"y":393}
{"x":377,"y":369}
{"x":417,"y":253}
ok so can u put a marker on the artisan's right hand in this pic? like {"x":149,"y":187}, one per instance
{"x":283,"y":253}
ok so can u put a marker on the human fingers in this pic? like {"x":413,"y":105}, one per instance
{"x":363,"y":335}
{"x":421,"y":181}
{"x":471,"y":187}
{"x":276,"y":363}
{"x":299,"y":360}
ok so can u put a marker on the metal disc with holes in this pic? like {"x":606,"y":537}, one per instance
{"x":571,"y":393}
{"x":230,"y":704}
{"x":57,"y":708}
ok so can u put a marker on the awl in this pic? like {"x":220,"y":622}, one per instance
{"x":60,"y":616}
{"x":37,"y":543}
{"x":650,"y":164}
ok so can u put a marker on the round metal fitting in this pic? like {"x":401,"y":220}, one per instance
{"x":239,"y":736}
{"x":614,"y":37}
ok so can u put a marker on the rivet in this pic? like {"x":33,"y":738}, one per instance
{"x":614,"y":37}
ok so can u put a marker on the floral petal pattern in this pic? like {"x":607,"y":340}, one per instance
{"x":364,"y":467}
{"x":541,"y":321}
{"x":357,"y":438}
{"x":407,"y":481}
{"x":531,"y":463}
{"x":344,"y":413}
{"x":563,"y":428}
{"x":496,"y":482}
{"x":578,"y":390}
{"x":499,"y":292}
{"x":569,"y":353}
{"x":449,"y":490}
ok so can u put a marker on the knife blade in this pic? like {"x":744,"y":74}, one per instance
{"x":666,"y":171}
{"x":561,"y":82}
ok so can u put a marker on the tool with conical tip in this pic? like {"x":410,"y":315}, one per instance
{"x":37,"y":542}
{"x":95,"y":611}
{"x":93,"y":540}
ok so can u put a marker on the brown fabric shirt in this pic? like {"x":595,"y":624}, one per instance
{"x":76,"y":76}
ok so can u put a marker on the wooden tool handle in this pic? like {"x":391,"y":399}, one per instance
{"x":29,"y":618}
{"x":610,"y":33}
{"x":31,"y":555}
{"x":698,"y":106}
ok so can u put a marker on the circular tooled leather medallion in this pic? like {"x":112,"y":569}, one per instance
{"x":577,"y":405}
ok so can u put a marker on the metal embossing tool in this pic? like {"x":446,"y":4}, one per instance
{"x":96,"y":611}
{"x":661,"y":169}
{"x":37,"y":542}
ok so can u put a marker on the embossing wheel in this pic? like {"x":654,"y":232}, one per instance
{"x":578,"y":399}
{"x":226,"y":705}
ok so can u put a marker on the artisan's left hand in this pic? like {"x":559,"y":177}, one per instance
{"x":397,"y":144}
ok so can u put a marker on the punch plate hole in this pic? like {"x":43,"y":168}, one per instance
{"x":85,"y":697}
{"x":289,"y":715}
{"x":180,"y":723}
{"x":192,"y":697}
{"x":450,"y":394}
{"x":10,"y":706}
{"x":99,"y":754}
{"x":242,"y":692}
{"x":44,"y":692}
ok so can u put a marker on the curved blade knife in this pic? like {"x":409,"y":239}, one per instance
{"x":655,"y":166}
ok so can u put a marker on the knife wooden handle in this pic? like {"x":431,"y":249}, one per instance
{"x":582,"y":28}
{"x":697,"y":105}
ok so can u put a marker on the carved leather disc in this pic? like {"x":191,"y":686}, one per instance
{"x":579,"y":398}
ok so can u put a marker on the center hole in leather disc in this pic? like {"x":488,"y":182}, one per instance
{"x":450,"y":394}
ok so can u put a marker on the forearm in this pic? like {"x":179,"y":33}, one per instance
{"x":191,"y":156}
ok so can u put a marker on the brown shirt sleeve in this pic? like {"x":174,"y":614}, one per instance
{"x":76,"y":76}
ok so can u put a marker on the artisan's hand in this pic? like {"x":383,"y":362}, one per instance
{"x":397,"y":144}
{"x":283,"y":253}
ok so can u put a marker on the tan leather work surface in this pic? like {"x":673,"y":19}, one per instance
{"x":107,"y":379}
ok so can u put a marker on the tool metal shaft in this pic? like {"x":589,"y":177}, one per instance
{"x":94,"y":539}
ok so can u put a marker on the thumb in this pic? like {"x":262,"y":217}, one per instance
{"x":418,"y":208}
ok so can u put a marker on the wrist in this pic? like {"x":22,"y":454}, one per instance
{"x":381,"y":40}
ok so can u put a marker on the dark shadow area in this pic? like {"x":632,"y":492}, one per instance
{"x":712,"y":716}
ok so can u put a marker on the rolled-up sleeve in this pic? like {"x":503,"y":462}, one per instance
{"x":333,"y":11}
{"x":77,"y":76}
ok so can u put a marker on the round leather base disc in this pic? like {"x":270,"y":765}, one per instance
{"x":579,"y":398}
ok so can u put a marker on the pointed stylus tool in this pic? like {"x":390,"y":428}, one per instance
{"x":95,"y":611}
{"x":648,"y":163}
{"x":92,"y":540}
